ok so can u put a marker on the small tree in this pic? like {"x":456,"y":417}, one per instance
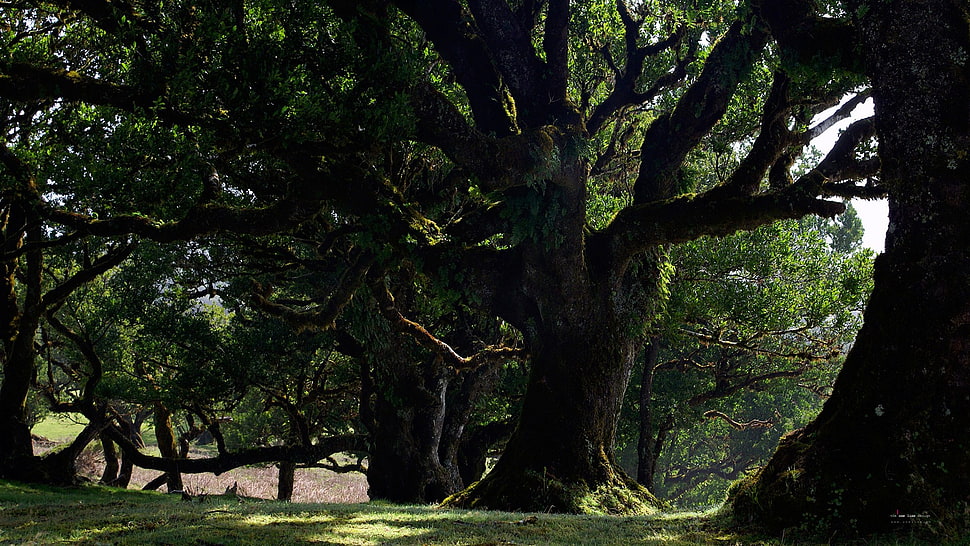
{"x":756,"y":327}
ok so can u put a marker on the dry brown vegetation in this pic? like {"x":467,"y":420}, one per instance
{"x":312,"y":485}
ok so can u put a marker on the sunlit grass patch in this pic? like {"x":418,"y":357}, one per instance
{"x":98,"y":515}
{"x":60,"y":427}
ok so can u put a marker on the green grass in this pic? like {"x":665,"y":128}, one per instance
{"x":63,"y":428}
{"x":60,"y":428}
{"x":91,"y":514}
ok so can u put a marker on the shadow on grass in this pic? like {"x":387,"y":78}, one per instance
{"x":96,"y":515}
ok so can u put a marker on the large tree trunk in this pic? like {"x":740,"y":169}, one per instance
{"x":286,"y":482}
{"x":560,"y":457}
{"x":890,"y":446}
{"x":418,"y":422}
{"x":582,"y":317}
{"x":112,"y":461}
{"x":647,"y":443}
{"x":16,"y":448}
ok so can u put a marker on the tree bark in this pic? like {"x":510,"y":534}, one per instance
{"x":409,"y":414}
{"x":560,"y":458}
{"x":112,"y":462}
{"x":890,"y":446}
{"x":582,"y":317}
{"x":19,"y":328}
{"x":167,"y":444}
{"x":422,"y":404}
{"x":646,"y":459}
{"x":287,"y":479}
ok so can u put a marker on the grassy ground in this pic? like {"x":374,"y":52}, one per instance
{"x":59,"y":428}
{"x":94,"y":515}
{"x":328,"y":509}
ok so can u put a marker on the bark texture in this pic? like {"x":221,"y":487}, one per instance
{"x":287,"y":479}
{"x":890,"y":447}
{"x":649,"y":445}
{"x":582,"y":324}
{"x":560,"y":458}
{"x":167,"y":445}
{"x":420,"y":416}
{"x":406,"y":463}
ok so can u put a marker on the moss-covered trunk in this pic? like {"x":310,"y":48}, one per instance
{"x":889,"y":449}
{"x":582,"y":323}
{"x":560,"y":457}
{"x":167,"y":444}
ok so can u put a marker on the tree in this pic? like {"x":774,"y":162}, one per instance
{"x":890,"y":444}
{"x":536,"y":111}
{"x":112,"y":152}
{"x":584,"y":298}
{"x":25,"y":246}
{"x":753,"y":335}
{"x":417,"y":393}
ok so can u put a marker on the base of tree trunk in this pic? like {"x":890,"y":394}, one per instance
{"x":818,"y":496}
{"x":54,"y":468}
{"x":888,"y":452}
{"x":286,"y":482}
{"x":531,"y":491}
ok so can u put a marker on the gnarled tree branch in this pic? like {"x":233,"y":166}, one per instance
{"x":445,"y":352}
{"x":754,"y":423}
{"x":672,"y":136}
{"x":226,"y":461}
{"x":324,"y":317}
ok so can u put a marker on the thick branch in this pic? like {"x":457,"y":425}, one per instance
{"x":808,"y":38}
{"x":555,"y":44}
{"x":447,"y":25}
{"x":23,"y":82}
{"x":497,"y":163}
{"x":103,"y":264}
{"x":671,"y":137}
{"x":448,"y":355}
{"x":773,"y":139}
{"x":840,"y":163}
{"x":842,"y":113}
{"x":199,"y":220}
{"x":325,"y":317}
{"x":224,"y":462}
{"x":754,"y":423}
{"x":510,"y":47}
{"x":639,"y":227}
{"x":721,"y":211}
